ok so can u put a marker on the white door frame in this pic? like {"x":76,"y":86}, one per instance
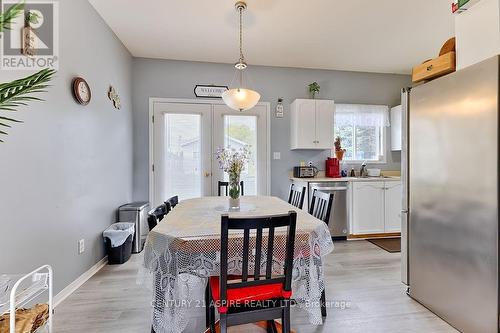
{"x":153,"y":100}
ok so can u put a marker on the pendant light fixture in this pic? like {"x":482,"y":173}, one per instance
{"x":240,"y":98}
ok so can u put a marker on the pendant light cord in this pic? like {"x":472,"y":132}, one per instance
{"x":242,"y":58}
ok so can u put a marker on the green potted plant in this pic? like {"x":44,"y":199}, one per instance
{"x":314,"y":89}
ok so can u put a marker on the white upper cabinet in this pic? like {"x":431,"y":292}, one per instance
{"x":312,"y":124}
{"x":303,"y":123}
{"x":325,"y":111}
{"x":396,"y":126}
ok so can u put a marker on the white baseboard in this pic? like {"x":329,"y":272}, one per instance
{"x":63,"y":294}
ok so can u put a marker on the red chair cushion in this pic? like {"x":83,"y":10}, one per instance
{"x":246,"y":294}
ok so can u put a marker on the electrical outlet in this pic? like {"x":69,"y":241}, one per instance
{"x":277,"y":155}
{"x":81,"y":246}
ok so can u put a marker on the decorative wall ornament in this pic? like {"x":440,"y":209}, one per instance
{"x":114,"y":97}
{"x":279,"y":108}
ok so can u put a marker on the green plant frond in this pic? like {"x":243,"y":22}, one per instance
{"x":18,"y":93}
{"x":7,"y":109}
{"x":17,"y":90}
{"x":10,"y":119}
{"x":9,"y":15}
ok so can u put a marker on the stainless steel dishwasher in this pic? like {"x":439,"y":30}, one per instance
{"x":338,"y":218}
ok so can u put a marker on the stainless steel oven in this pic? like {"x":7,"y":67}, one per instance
{"x":338,"y":219}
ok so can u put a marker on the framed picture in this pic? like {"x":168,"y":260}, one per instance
{"x":209,"y":91}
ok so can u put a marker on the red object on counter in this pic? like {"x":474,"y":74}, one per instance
{"x":332,"y":168}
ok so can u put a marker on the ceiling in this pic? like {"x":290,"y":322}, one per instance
{"x":385,"y":36}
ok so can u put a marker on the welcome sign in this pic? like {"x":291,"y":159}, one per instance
{"x":209,"y":91}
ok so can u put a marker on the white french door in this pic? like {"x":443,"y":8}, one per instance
{"x":184,"y":137}
{"x":234,"y":129}
{"x":182,"y":149}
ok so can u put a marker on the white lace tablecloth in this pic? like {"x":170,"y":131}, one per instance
{"x":182,"y":251}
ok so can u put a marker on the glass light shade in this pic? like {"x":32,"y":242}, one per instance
{"x":240,"y":99}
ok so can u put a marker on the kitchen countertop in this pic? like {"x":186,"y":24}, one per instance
{"x":344,"y":179}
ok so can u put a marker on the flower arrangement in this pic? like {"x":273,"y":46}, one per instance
{"x":233,"y":162}
{"x":339,"y":152}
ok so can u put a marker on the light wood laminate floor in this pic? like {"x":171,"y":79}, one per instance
{"x":359,"y":273}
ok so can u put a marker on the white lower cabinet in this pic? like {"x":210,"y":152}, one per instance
{"x":393,"y":206}
{"x":376,"y":207}
{"x":368,"y":207}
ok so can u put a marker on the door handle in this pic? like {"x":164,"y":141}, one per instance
{"x":330,"y":189}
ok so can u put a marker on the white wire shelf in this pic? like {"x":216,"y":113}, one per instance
{"x":27,"y":291}
{"x":17,"y":291}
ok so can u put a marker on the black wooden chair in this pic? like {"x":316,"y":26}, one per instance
{"x":321,"y":205}
{"x":296,"y":196}
{"x":233,"y":296}
{"x":225,"y":186}
{"x":157,"y":214}
{"x":173,"y":201}
{"x":321,"y":208}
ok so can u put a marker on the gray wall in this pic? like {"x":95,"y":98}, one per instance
{"x":176,"y":79}
{"x":65,"y":170}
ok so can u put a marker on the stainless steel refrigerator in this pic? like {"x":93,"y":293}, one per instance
{"x":450,"y":228}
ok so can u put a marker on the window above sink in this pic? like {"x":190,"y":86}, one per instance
{"x":361,"y":129}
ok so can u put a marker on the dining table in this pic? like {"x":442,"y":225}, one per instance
{"x":183,"y":251}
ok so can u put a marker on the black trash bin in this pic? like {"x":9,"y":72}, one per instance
{"x":118,"y":240}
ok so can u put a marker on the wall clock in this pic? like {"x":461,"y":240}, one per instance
{"x":81,"y":91}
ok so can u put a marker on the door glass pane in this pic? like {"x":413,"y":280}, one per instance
{"x":183,"y":156}
{"x":240,"y":131}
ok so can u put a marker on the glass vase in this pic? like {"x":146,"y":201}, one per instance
{"x":234,"y":191}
